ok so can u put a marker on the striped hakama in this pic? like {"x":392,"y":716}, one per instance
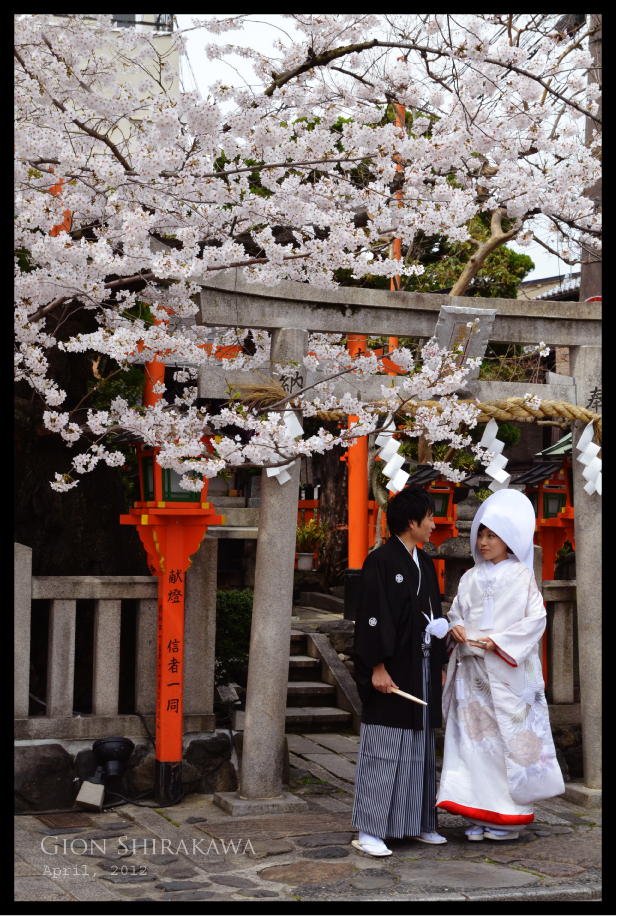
{"x":396,"y":776}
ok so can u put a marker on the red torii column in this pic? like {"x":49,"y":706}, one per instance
{"x":65,"y":225}
{"x":171,"y":533}
{"x":357,"y":482}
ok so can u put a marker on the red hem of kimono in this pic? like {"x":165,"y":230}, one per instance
{"x":493,"y":817}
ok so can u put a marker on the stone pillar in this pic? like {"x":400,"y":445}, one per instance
{"x":22,"y":613}
{"x":586,"y":364}
{"x":268,"y":674}
{"x":106,"y":657}
{"x":537,"y":571}
{"x":200,"y":629}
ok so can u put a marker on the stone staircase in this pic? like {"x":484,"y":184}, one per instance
{"x":311,"y":702}
{"x":240,"y":521}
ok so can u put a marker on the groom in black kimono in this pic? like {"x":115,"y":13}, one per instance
{"x":399,"y":643}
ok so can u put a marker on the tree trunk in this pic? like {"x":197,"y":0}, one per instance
{"x":425,"y":451}
{"x":476,"y":261}
{"x":333,"y":512}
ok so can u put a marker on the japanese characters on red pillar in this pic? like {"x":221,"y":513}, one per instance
{"x":170,"y":666}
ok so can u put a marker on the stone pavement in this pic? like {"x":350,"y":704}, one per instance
{"x":194,"y":851}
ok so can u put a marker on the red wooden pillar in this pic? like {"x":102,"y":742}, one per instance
{"x":65,"y":225}
{"x":357,"y":501}
{"x":357,"y":482}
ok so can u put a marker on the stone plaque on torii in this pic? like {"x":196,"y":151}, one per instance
{"x":453,"y":333}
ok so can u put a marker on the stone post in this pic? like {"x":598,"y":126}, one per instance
{"x":106,"y":657}
{"x":61,"y":658}
{"x":561,"y":685}
{"x":537,"y":571}
{"x":586,"y":367}
{"x":200,"y":629}
{"x":22,"y":606}
{"x":145,"y":656}
{"x":266,"y":697}
{"x":249,"y":557}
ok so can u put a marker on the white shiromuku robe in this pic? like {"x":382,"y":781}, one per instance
{"x":499,"y":756}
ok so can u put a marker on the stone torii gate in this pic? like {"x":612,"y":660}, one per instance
{"x":290,"y":311}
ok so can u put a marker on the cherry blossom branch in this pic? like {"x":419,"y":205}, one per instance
{"x":322,"y":60}
{"x":225,"y":173}
{"x":322,"y":381}
{"x":82,"y":126}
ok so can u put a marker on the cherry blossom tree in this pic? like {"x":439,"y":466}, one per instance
{"x":128,"y":193}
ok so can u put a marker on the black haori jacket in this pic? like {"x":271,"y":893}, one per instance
{"x":389,"y":628}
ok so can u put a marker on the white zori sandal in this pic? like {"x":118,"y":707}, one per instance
{"x":433,"y":838}
{"x":475,"y":833}
{"x":494,"y":834}
{"x":371,"y":845}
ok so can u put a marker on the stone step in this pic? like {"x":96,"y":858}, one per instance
{"x":304,"y":718}
{"x":315,"y":718}
{"x":322,"y":602}
{"x":309,"y":693}
{"x":297,"y":644}
{"x":238,"y":517}
{"x":304,"y":668}
{"x":241,"y":533}
{"x":228,"y":502}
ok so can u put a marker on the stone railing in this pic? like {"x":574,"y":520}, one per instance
{"x":108,"y":593}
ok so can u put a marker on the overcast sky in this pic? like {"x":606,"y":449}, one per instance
{"x":199,"y":72}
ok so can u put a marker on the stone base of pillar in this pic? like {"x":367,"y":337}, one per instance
{"x":579,"y":794}
{"x":234,"y":804}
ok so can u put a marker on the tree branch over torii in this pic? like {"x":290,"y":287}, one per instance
{"x":295,"y":180}
{"x":314,"y":61}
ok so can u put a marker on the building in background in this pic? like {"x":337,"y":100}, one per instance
{"x":557,"y":289}
{"x":159,"y":26}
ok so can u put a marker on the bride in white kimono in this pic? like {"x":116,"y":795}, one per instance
{"x":499,"y":756}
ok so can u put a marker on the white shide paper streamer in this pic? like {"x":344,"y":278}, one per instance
{"x":294,"y":429}
{"x":389,"y":454}
{"x":491,"y":443}
{"x":589,"y":458}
